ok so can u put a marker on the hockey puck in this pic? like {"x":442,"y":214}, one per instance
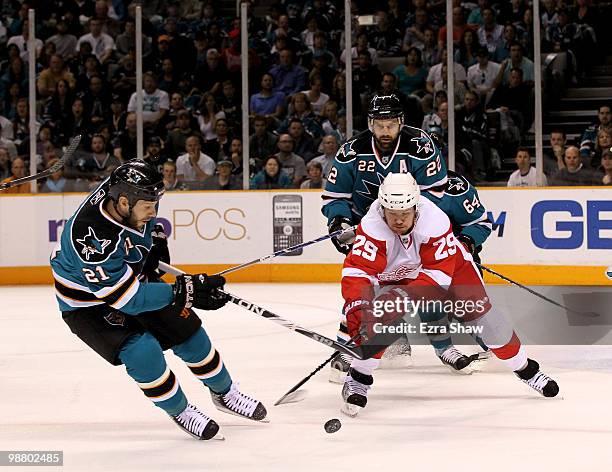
{"x":332,"y":425}
{"x":609,"y":272}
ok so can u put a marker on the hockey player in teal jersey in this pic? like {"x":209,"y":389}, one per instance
{"x":360,"y":166}
{"x":460,"y":201}
{"x":362,"y":163}
{"x":106,"y":300}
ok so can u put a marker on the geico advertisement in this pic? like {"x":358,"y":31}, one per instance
{"x":552,"y":226}
{"x":563,"y":227}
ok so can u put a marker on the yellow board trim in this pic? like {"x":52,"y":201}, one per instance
{"x":296,"y":273}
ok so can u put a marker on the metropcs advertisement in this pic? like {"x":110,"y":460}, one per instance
{"x":542,"y":236}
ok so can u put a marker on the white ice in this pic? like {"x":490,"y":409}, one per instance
{"x":57,"y":394}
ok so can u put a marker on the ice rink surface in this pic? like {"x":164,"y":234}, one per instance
{"x":57,"y":394}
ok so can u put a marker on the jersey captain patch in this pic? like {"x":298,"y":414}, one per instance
{"x":92,"y":245}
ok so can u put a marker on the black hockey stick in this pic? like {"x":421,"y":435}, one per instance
{"x":258,"y":310}
{"x":51,"y":170}
{"x":589,"y":314}
{"x":290,"y":396}
{"x":288,"y":250}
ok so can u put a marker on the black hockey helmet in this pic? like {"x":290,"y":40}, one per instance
{"x":137,"y":180}
{"x":383,"y":107}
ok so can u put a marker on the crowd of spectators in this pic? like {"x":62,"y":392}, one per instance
{"x":192,"y":107}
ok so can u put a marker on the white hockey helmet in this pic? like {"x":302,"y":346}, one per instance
{"x":399,"y":192}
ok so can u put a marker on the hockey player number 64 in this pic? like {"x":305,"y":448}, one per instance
{"x":446,"y":246}
{"x":369,"y":248}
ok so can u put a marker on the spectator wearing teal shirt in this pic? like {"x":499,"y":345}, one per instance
{"x":412,"y":75}
{"x":271,"y":176}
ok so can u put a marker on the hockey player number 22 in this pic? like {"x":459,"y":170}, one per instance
{"x":433,"y":167}
{"x":446,"y":247}
{"x":369,"y":248}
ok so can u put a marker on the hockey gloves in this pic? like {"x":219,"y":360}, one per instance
{"x":200,"y":291}
{"x":159,"y":252}
{"x":467,"y":242}
{"x":344,"y":242}
{"x":362,"y":316}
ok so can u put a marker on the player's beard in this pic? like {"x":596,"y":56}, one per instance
{"x":387,"y":145}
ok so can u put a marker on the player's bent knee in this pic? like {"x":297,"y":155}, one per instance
{"x":142,"y":353}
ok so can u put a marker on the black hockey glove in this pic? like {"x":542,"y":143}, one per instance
{"x":200,"y":291}
{"x":159,"y":252}
{"x":467,"y":242}
{"x":344,"y":242}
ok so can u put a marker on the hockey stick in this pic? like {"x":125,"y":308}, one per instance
{"x":47,"y":172}
{"x":292,"y":395}
{"x":354,"y":352}
{"x":288,"y":250}
{"x":589,"y":314}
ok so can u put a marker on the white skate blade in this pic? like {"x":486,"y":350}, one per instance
{"x":293,"y":397}
{"x":217,"y":437}
{"x":337,"y":376}
{"x":350,"y":410}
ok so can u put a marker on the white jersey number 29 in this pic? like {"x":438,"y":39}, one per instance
{"x":446,"y":246}
{"x":369,"y":248}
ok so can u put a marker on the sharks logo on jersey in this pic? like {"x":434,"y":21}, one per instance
{"x":92,"y":245}
{"x":457,"y":184}
{"x":423,"y":144}
{"x":346,"y":153}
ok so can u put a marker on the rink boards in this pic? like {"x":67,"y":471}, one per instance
{"x":554,"y":236}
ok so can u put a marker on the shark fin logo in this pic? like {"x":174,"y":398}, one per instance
{"x":91,"y":244}
{"x":423,"y":143}
{"x":371,"y":188}
{"x":457,"y":185}
{"x":346,"y":152}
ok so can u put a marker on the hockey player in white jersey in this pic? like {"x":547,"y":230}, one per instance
{"x":406,"y":244}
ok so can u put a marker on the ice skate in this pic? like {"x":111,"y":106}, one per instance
{"x":197,"y":424}
{"x":355,"y":392}
{"x":456,"y":360}
{"x":237,"y":403}
{"x":339,"y":368}
{"x":537,"y":380}
{"x":398,"y":355}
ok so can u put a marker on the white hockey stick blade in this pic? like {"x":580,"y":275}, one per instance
{"x":293,"y":397}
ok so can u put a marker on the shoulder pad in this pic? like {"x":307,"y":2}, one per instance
{"x":432,"y":221}
{"x":457,"y":184}
{"x":94,"y":240}
{"x":419,"y":144}
{"x":351,"y":148}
